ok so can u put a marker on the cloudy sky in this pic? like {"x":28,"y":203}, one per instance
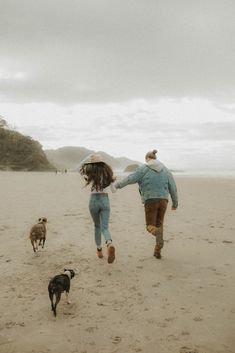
{"x":123,"y":76}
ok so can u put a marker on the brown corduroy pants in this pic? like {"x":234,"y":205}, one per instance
{"x":154,"y":215}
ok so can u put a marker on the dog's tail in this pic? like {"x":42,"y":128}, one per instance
{"x":54,"y":293}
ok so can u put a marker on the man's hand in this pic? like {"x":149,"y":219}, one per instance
{"x":173,"y":208}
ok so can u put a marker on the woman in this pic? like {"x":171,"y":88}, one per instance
{"x":155,"y":184}
{"x":99,"y":176}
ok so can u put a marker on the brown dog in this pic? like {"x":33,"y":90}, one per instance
{"x":38,"y":234}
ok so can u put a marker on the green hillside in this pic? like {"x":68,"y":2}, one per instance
{"x":19,"y":152}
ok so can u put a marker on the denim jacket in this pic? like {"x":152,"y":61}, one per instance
{"x":155,"y":182}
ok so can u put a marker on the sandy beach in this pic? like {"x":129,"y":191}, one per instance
{"x":183,"y":303}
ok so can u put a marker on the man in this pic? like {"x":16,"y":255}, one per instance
{"x":156,"y":182}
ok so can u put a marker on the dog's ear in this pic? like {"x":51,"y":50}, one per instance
{"x":72,"y":273}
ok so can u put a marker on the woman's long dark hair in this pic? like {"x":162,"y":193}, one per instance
{"x":99,"y":175}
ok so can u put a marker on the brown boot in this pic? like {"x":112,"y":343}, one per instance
{"x":99,"y":253}
{"x":157,"y":252}
{"x":111,"y":253}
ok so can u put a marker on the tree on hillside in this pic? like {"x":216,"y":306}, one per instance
{"x":3,"y":122}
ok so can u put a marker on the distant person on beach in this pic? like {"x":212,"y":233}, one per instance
{"x":99,"y":176}
{"x":156,"y":182}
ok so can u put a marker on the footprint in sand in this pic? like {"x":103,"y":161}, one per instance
{"x":2,"y":228}
{"x":197,"y":318}
{"x":11,"y":324}
{"x":169,"y":277}
{"x":188,"y":350}
{"x":91,"y":329}
{"x":116,"y":339}
{"x":70,"y":214}
{"x":208,"y":241}
{"x":168,"y":319}
{"x":185,"y":333}
{"x":155,"y":285}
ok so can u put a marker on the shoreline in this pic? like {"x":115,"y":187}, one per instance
{"x":187,"y":173}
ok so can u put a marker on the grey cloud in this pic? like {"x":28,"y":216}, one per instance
{"x":153,"y":126}
{"x":226,"y":108}
{"x":106,"y":50}
{"x":217,"y":131}
{"x":199,"y":132}
{"x":41,"y":133}
{"x":161,"y":133}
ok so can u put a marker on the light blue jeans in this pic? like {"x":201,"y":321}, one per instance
{"x":99,"y":207}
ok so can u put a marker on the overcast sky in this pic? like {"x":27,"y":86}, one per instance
{"x":123,"y":76}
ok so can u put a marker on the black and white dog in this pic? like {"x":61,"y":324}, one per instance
{"x":58,"y":285}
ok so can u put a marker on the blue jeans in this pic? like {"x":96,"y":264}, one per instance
{"x":100,"y":211}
